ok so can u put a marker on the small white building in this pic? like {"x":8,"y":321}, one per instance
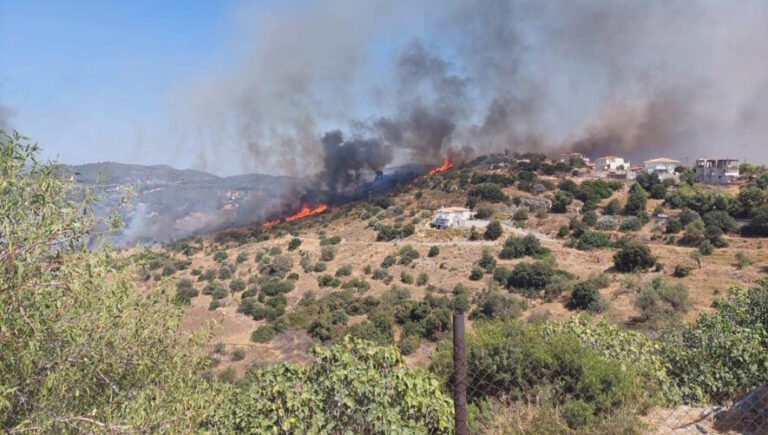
{"x":717,"y":171}
{"x":663,"y":167}
{"x":448,"y":217}
{"x":611,"y":164}
{"x":565,"y":158}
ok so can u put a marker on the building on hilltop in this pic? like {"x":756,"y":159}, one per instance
{"x":717,"y":171}
{"x":663,"y":167}
{"x":611,"y":164}
{"x":448,"y":217}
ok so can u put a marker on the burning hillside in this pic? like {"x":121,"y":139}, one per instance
{"x":305,"y":211}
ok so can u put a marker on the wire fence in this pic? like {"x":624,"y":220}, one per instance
{"x":516,"y":379}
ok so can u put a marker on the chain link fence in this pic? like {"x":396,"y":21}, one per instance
{"x":580,"y":376}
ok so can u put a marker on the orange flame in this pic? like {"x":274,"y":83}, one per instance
{"x":303,"y":212}
{"x":306,"y":211}
{"x":444,"y":167}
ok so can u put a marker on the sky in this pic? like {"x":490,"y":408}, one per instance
{"x":237,"y":86}
{"x":90,"y":80}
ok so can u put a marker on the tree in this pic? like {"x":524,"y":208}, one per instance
{"x":758,"y":226}
{"x":633,"y":257}
{"x":560,"y":202}
{"x":493,"y":231}
{"x":636,"y":201}
{"x":294,"y":243}
{"x":89,"y":352}
{"x":612,"y":208}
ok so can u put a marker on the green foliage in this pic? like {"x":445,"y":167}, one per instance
{"x":681,"y":271}
{"x":320,"y":267}
{"x":327,"y":281}
{"x":520,"y":215}
{"x":409,"y":344}
{"x":406,"y":278}
{"x":560,"y":202}
{"x":593,"y":240}
{"x":487,"y":262}
{"x":706,"y":248}
{"x":758,"y":226}
{"x":434,"y":251}
{"x":631,"y":223}
{"x":185,"y":291}
{"x":483,"y":212}
{"x":742,"y":260}
{"x":241,"y":258}
{"x":237,"y":285}
{"x":494,"y":305}
{"x":352,"y":387}
{"x":334,"y":240}
{"x":238,"y":354}
{"x":660,"y":303}
{"x":531,"y":279}
{"x":476,"y":274}
{"x":493,"y":231}
{"x":636,"y":200}
{"x":490,"y":192}
{"x":407,"y":254}
{"x":673,"y":226}
{"x":511,"y":360}
{"x":294,"y":244}
{"x":263,"y":334}
{"x":516,"y":247}
{"x":632,"y":257}
{"x":612,"y":208}
{"x":586,"y":296}
{"x":345,"y":270}
{"x":220,"y":256}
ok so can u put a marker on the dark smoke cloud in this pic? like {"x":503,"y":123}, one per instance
{"x":670,"y":77}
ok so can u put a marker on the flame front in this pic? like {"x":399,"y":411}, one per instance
{"x":444,"y":167}
{"x":305,"y":211}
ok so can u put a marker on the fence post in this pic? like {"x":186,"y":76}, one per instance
{"x":459,"y":375}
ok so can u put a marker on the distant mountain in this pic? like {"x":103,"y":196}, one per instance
{"x":171,"y":203}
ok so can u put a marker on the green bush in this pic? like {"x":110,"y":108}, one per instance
{"x":513,"y":361}
{"x":673,"y":226}
{"x":406,"y":278}
{"x":320,"y":267}
{"x":263,"y":334}
{"x":493,"y":231}
{"x":434,"y":251}
{"x":388,"y":261}
{"x":636,"y":200}
{"x":380,"y":274}
{"x":632,"y":257}
{"x":660,"y":302}
{"x":483,"y":212}
{"x":327,"y":253}
{"x":476,"y":274}
{"x":327,"y":281}
{"x":631,"y":223}
{"x":408,"y":254}
{"x":409,"y":344}
{"x":422,"y":279}
{"x":225,"y":272}
{"x":706,"y":248}
{"x":238,"y":354}
{"x":213,"y":305}
{"x":335,"y":240}
{"x":345,"y":270}
{"x":494,"y":305}
{"x":593,"y":240}
{"x":586,"y":296}
{"x":531,"y":279}
{"x":294,"y":244}
{"x":681,"y":271}
{"x":352,"y":387}
{"x":237,"y":285}
{"x":185,"y":291}
{"x":220,"y":256}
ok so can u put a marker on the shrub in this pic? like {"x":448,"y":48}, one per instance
{"x":593,"y":240}
{"x":636,"y":200}
{"x":578,"y":413}
{"x":589,"y":218}
{"x":345,"y":270}
{"x":422,"y":279}
{"x":631,"y":223}
{"x":560,"y":202}
{"x":520,"y":215}
{"x":406,"y":278}
{"x":681,"y":271}
{"x":388,"y":261}
{"x":294,"y":244}
{"x":220,"y":256}
{"x":742,"y":260}
{"x":531,"y":278}
{"x":673,"y":226}
{"x":483,"y":212}
{"x":238,"y":354}
{"x":213,"y":305}
{"x":706,"y":248}
{"x":515,"y":361}
{"x":237,"y":285}
{"x":721,"y":220}
{"x":612,"y":208}
{"x":263,"y":334}
{"x":490,"y":192}
{"x":225,"y":272}
{"x":493,"y":231}
{"x":494,"y":305}
{"x":586,"y":296}
{"x":476,"y":274}
{"x":327,"y":253}
{"x":360,"y":284}
{"x":434,"y":251}
{"x":408,"y":254}
{"x":409,"y":344}
{"x":563,"y":231}
{"x":339,"y":317}
{"x":659,"y":302}
{"x":327,"y":281}
{"x":487,"y":262}
{"x":632,"y":257}
{"x":305,"y":263}
{"x":380,"y":274}
{"x":334,"y":240}
{"x":320,"y":267}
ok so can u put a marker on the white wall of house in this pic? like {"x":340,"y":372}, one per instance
{"x":451,"y":217}
{"x":611,"y":164}
{"x":663,"y":167}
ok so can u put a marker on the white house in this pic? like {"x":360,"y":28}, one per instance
{"x":664,"y":167}
{"x":611,"y":164}
{"x":448,"y":217}
{"x":717,"y":171}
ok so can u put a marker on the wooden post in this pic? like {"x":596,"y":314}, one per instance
{"x":459,"y":375}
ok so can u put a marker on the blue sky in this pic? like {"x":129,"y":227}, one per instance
{"x":86,"y":79}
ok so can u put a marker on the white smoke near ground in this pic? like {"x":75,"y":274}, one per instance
{"x":676,"y":77}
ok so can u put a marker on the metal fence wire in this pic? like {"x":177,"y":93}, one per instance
{"x":512,"y":378}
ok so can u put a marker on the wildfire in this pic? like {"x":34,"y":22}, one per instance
{"x":444,"y":167}
{"x":305,"y":211}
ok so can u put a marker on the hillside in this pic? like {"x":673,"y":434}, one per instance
{"x":349,"y":232}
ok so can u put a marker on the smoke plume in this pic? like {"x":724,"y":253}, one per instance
{"x":410,"y":81}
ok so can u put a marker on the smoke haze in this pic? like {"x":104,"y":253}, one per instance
{"x":678,"y":78}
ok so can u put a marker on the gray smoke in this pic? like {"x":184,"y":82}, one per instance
{"x":670,"y":77}
{"x":6,"y":113}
